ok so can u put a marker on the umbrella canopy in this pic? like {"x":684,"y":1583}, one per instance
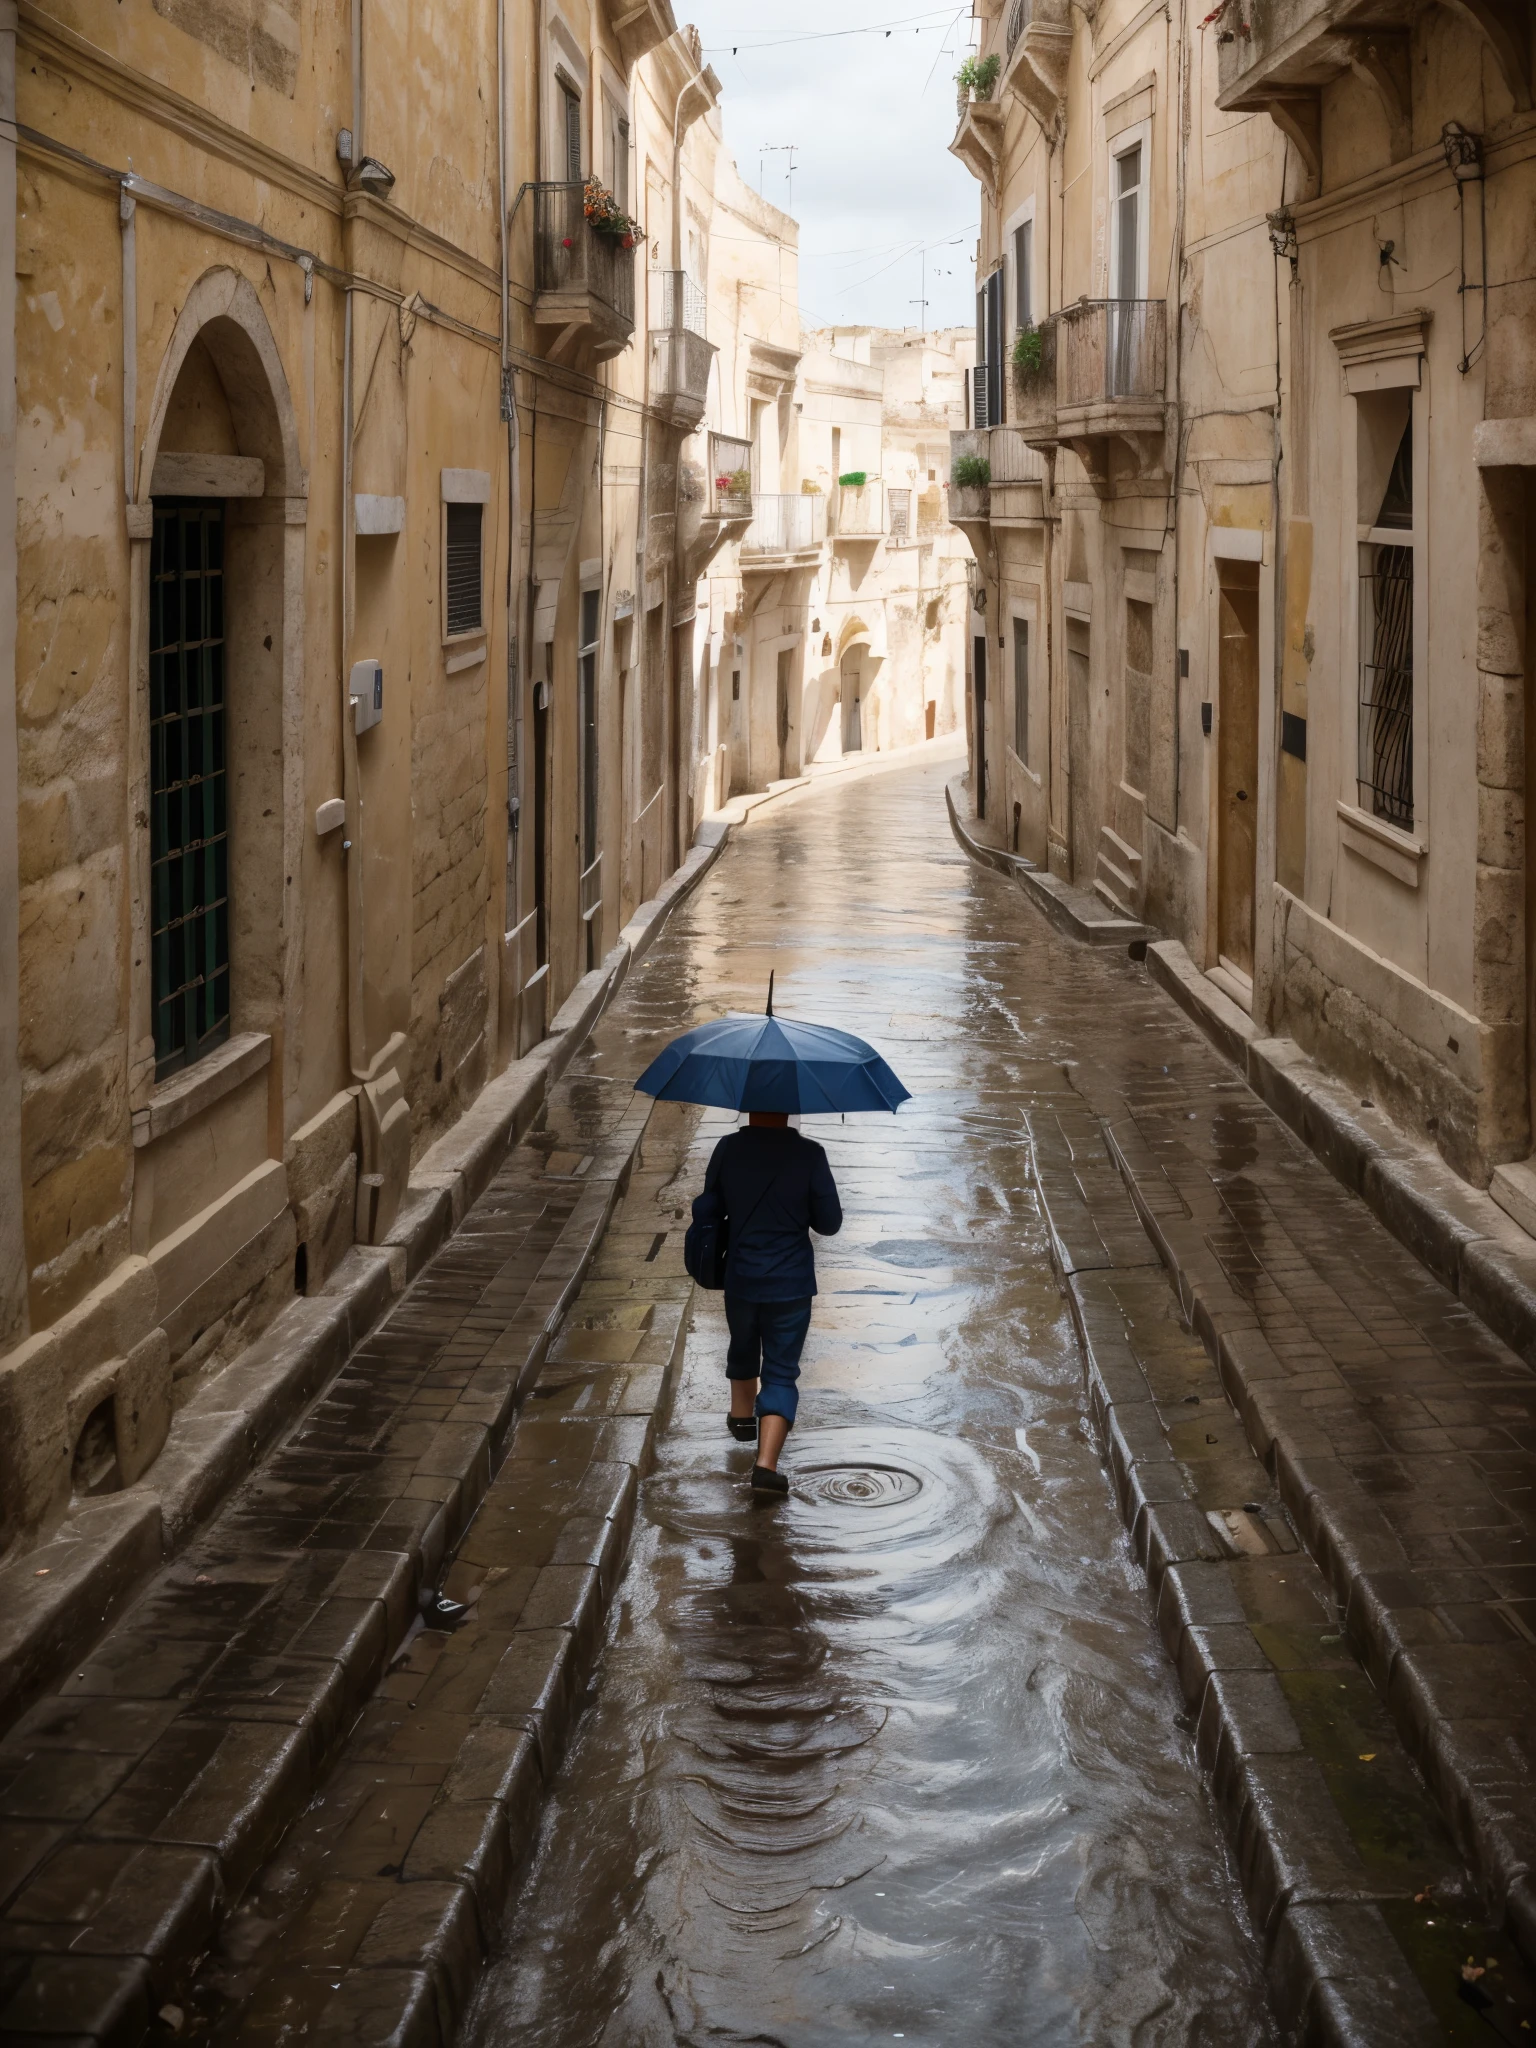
{"x":774,"y":1063}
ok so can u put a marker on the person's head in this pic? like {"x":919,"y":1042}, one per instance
{"x":768,"y":1119}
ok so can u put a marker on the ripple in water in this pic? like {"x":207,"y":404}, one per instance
{"x":857,"y":1486}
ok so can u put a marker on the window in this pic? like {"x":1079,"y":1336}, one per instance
{"x":901,"y":514}
{"x":586,"y":675}
{"x":1023,"y":275}
{"x":571,"y":117}
{"x":987,"y":405}
{"x":1386,"y":647}
{"x":188,"y":809}
{"x":462,"y":541}
{"x":1126,"y":282}
{"x":1021,"y":689}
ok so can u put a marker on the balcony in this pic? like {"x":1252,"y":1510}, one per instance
{"x":714,"y":504}
{"x":1038,"y":47}
{"x":583,"y":281}
{"x":1111,"y":376}
{"x":1017,"y":491}
{"x":858,"y":512}
{"x":680,"y":356}
{"x":970,"y":482}
{"x":1034,"y":386}
{"x":979,"y":141}
{"x":730,"y":486}
{"x":1275,"y":56}
{"x":787,"y":530}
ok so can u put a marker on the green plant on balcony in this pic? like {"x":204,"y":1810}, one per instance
{"x":978,"y":75}
{"x":605,"y":216}
{"x":1028,"y":351}
{"x":734,"y":483}
{"x":809,"y":488}
{"x":854,"y":479}
{"x":971,"y":472}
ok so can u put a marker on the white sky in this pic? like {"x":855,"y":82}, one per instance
{"x":871,"y":117}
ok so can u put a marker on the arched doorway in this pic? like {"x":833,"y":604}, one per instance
{"x":223,"y":583}
{"x":852,"y":677}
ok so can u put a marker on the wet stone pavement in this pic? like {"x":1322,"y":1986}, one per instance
{"x":934,"y":1749}
{"x":903,"y":1756}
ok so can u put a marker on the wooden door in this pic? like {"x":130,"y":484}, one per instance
{"x":1237,"y":764}
{"x":979,"y":692}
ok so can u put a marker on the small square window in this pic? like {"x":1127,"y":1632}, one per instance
{"x":464,"y":607}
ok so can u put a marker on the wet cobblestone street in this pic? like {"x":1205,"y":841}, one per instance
{"x":903,"y":1757}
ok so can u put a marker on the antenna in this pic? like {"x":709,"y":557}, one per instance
{"x":779,"y":149}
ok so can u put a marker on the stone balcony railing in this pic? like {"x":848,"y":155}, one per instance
{"x":581,"y":279}
{"x":785,"y":524}
{"x":970,"y":503}
{"x":859,"y":511}
{"x":1033,"y":398}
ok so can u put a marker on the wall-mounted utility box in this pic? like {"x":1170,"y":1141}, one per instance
{"x":366,"y":689}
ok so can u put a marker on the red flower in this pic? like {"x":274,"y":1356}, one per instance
{"x":566,"y":244}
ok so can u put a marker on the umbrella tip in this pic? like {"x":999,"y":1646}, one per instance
{"x":770,"y":992}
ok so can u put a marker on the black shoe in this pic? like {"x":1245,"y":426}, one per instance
{"x":766,"y":1480}
{"x":743,"y":1428}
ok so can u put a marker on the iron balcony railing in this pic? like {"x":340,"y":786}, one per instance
{"x":730,"y":477}
{"x":677,"y":303}
{"x":1013,"y":460}
{"x":1112,"y":349}
{"x":860,"y":510}
{"x":785,"y":523}
{"x":570,"y":255}
{"x":1034,"y":378}
{"x":1020,"y":15}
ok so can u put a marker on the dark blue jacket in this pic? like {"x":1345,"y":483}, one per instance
{"x":776,"y":1188}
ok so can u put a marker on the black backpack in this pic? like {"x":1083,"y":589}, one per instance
{"x":706,"y":1242}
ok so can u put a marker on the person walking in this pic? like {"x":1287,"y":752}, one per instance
{"x":773,"y":1187}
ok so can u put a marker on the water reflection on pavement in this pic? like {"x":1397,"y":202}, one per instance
{"x":897,"y":1758}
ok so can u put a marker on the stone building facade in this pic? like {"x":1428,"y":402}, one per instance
{"x":1248,"y":654}
{"x":350,"y":596}
{"x":844,"y":601}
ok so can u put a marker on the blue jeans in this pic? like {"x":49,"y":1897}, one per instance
{"x":767,"y":1338}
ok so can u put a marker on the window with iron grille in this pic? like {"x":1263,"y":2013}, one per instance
{"x":901,"y":514}
{"x":462,"y":541}
{"x":188,"y":795}
{"x":1386,"y":650}
{"x":1021,"y":689}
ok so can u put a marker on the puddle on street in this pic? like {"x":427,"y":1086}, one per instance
{"x":898,"y":1757}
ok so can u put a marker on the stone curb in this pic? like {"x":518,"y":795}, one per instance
{"x":435,"y":1925}
{"x":56,"y":1600}
{"x":1489,"y":1814}
{"x":1077,"y":912}
{"x":262,"y":1770}
{"x":1337,"y":1976}
{"x":1460,"y":1233}
{"x":1474,"y":1249}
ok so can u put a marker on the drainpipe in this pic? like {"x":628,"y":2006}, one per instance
{"x":512,"y":905}
{"x":352,"y":847}
{"x":13,"y":1258}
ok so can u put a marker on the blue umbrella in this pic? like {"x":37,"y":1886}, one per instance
{"x":774,"y":1063}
